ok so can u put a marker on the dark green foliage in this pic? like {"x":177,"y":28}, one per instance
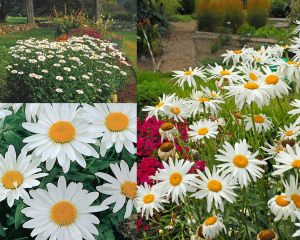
{"x":278,"y":8}
{"x":188,"y":6}
{"x":4,"y":61}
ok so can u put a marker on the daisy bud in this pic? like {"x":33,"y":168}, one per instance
{"x":267,"y":235}
{"x":167,"y":150}
{"x":168,"y":131}
{"x":199,"y":234}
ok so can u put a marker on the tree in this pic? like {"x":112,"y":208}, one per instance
{"x":30,"y":11}
{"x":3,"y":10}
{"x":98,"y":8}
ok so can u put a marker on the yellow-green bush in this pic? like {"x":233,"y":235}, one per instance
{"x":258,"y":11}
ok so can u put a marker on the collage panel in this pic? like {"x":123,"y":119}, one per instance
{"x":68,"y":171}
{"x":218,"y":119}
{"x":70,"y":51}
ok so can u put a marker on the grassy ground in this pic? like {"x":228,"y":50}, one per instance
{"x":10,"y":39}
{"x":181,"y":18}
{"x":129,"y":46}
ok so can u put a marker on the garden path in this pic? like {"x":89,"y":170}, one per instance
{"x":179,"y":47}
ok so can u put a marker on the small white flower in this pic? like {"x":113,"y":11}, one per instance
{"x":59,"y":90}
{"x":79,"y":91}
{"x":59,"y":78}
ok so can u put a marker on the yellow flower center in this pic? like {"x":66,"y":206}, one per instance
{"x":272,"y":79}
{"x":62,"y":132}
{"x":210,"y":221}
{"x":117,"y":122}
{"x":203,"y":131}
{"x":175,"y":110}
{"x":281,"y":201}
{"x":167,"y":126}
{"x":175,"y":179}
{"x":237,"y":51}
{"x":258,"y":119}
{"x":296,"y":164}
{"x":240,"y":161}
{"x":166,"y":147}
{"x":296,"y":199}
{"x":214,"y":186}
{"x":253,"y":76}
{"x":289,"y":133}
{"x":63,"y":213}
{"x":256,"y":59}
{"x":160,"y":104}
{"x":10,"y":178}
{"x":129,"y":189}
{"x":149,"y":198}
{"x":188,"y":73}
{"x":251,"y":85}
{"x":212,"y":95}
{"x":203,"y":99}
{"x":225,"y":73}
{"x":292,"y":63}
{"x":266,"y":235}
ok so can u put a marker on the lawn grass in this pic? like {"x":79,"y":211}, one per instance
{"x":10,"y":39}
{"x":181,"y":18}
{"x":129,"y":46}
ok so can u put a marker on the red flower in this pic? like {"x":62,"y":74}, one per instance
{"x":146,"y":168}
{"x":200,"y":165}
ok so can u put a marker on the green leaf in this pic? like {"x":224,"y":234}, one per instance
{"x":2,"y":231}
{"x":12,"y":138}
{"x":19,"y":216}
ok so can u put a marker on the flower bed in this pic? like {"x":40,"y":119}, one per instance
{"x":55,"y":180}
{"x":76,"y":69}
{"x":242,"y":121}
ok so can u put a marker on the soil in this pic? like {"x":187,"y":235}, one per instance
{"x":179,"y":47}
{"x":128,"y":93}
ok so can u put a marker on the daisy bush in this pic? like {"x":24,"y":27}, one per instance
{"x":76,"y":69}
{"x":67,"y":171}
{"x":232,"y":171}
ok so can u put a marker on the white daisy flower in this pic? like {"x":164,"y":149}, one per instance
{"x":60,"y":134}
{"x":250,"y":72}
{"x":178,"y":109}
{"x":281,"y":207}
{"x":175,"y":179}
{"x":212,"y":226}
{"x":296,"y":104}
{"x":292,"y":191}
{"x":168,"y":131}
{"x":240,"y":162}
{"x":272,"y":150}
{"x":276,"y":83}
{"x":289,"y":132}
{"x":4,"y":112}
{"x":222,"y":74}
{"x":115,"y":123}
{"x":41,"y":58}
{"x":249,"y":92}
{"x":205,"y":101}
{"x":287,"y":160}
{"x":18,"y":174}
{"x":62,"y":212}
{"x":203,"y":129}
{"x":59,"y":90}
{"x":122,"y":187}
{"x":59,"y":78}
{"x":149,"y":199}
{"x":261,"y":121}
{"x":297,"y":28}
{"x":188,"y":76}
{"x":297,"y":213}
{"x":234,"y":56}
{"x":215,"y":186}
{"x":161,"y":107}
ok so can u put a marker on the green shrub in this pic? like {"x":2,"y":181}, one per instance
{"x":295,"y":10}
{"x":258,"y":11}
{"x":4,"y":62}
{"x":81,"y":69}
{"x":169,"y":7}
{"x":246,"y":30}
{"x":277,"y":8}
{"x":188,"y":6}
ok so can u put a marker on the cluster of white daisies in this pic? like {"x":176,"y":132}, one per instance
{"x":65,"y":134}
{"x":255,"y":78}
{"x":86,"y":62}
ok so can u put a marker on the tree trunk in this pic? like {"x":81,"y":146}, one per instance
{"x":30,"y":12}
{"x":3,"y":10}
{"x":97,"y":6}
